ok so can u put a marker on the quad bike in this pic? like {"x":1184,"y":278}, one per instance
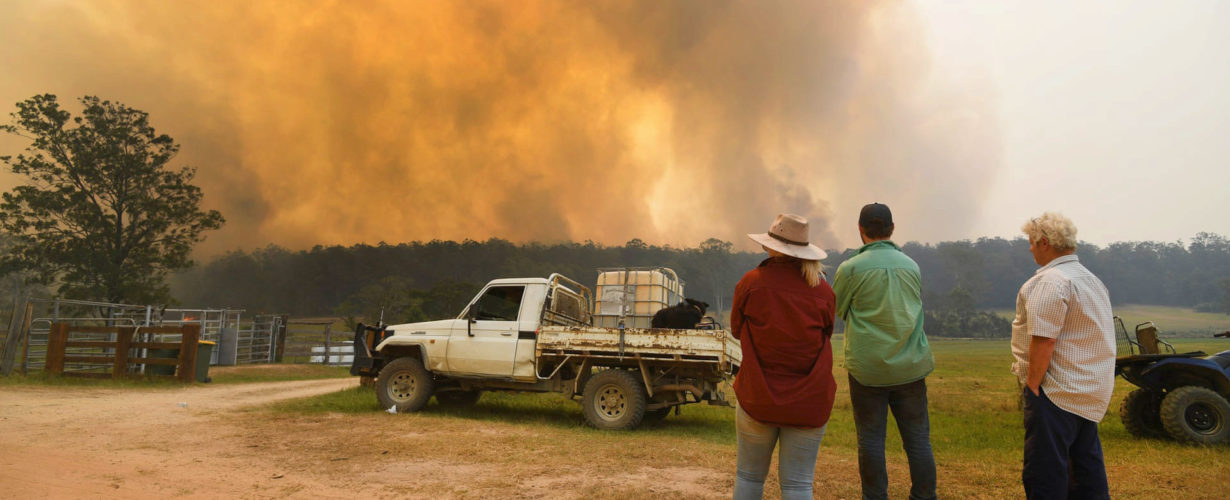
{"x":1184,"y":396}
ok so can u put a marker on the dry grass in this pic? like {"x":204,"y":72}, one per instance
{"x":536,"y":445}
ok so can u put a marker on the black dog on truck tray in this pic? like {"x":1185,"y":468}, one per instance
{"x":684,"y":315}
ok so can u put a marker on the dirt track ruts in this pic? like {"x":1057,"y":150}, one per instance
{"x":75,"y":442}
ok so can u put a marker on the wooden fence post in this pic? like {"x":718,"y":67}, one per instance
{"x":328,"y":339}
{"x":56,"y":343}
{"x":187,"y":352}
{"x":123,"y":342}
{"x":281,"y":337}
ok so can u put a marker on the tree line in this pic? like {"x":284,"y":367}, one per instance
{"x":432,"y":280}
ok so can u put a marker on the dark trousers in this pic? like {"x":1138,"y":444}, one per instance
{"x":908,"y":403}
{"x":1063,"y":455}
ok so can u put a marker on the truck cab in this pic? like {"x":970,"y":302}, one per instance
{"x":494,"y":335}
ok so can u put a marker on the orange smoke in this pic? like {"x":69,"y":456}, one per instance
{"x":347,"y":122}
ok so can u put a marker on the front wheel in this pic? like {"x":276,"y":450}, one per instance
{"x":404,"y":384}
{"x":1196,"y":414}
{"x":614,"y":400}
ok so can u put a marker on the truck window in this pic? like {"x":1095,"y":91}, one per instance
{"x":500,"y":303}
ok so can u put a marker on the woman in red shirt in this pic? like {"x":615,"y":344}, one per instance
{"x":783,"y":316}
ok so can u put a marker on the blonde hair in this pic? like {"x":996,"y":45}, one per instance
{"x":813,"y":272}
{"x":1057,"y":229}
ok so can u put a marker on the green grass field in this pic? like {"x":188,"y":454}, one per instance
{"x":1170,"y":321}
{"x":976,"y":430}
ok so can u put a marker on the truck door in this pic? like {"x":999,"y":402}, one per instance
{"x":489,"y":345}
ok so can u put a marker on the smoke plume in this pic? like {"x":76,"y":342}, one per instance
{"x":320,"y":122}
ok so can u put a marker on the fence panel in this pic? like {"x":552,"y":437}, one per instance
{"x":307,"y":341}
{"x":339,"y":353}
{"x":26,"y":342}
{"x":255,"y":341}
{"x":116,"y":352}
{"x":266,"y":338}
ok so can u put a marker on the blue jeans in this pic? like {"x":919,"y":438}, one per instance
{"x":1063,"y":455}
{"x":909,"y":405}
{"x":796,"y":460}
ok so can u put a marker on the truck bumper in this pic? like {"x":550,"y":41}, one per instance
{"x":367,"y":362}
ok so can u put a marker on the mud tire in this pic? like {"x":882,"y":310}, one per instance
{"x":406,"y":384}
{"x":1141,"y":414}
{"x":1195,"y":414}
{"x":614,"y":400}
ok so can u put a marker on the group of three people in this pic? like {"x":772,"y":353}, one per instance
{"x":784,"y":311}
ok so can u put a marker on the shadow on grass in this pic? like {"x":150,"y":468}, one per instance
{"x":707,"y":423}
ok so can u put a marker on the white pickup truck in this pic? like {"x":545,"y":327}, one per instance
{"x":536,"y":334}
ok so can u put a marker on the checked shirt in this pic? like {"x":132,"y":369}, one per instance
{"x":1066,"y":302}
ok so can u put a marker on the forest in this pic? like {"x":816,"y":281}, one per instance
{"x":432,"y":280}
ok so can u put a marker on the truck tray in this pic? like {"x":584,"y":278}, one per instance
{"x":699,"y":346}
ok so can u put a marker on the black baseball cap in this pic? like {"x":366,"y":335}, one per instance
{"x":875,"y":214}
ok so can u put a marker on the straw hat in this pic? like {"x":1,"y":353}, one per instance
{"x":788,"y":235}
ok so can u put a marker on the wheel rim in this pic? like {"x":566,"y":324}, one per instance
{"x":1202,"y":418}
{"x":402,"y":387}
{"x":611,"y":403}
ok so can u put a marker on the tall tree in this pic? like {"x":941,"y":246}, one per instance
{"x":102,"y":215}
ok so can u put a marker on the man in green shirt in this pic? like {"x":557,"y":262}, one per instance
{"x":879,"y":296}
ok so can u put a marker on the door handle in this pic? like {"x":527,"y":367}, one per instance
{"x":507,"y":334}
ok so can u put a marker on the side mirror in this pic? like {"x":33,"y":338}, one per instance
{"x":470,"y":320}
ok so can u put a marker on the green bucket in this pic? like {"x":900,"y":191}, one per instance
{"x":204,"y":349}
{"x":161,"y":369}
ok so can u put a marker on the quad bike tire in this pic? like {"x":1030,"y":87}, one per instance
{"x":404,"y":383}
{"x":1196,"y":415}
{"x":614,"y":400}
{"x":458,"y":398}
{"x":1141,"y":413}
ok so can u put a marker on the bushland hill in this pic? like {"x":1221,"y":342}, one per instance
{"x":415,"y":281}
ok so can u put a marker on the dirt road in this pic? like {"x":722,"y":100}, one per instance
{"x":206,"y":442}
{"x":63,"y":442}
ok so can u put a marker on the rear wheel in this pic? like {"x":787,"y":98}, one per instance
{"x":406,"y":384}
{"x":1196,"y":414}
{"x":1141,"y":413}
{"x":614,"y":400}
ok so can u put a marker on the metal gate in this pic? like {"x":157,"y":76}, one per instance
{"x":265,"y":338}
{"x":256,"y":341}
{"x":25,"y":346}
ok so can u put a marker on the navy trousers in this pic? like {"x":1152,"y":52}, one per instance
{"x":1063,"y":455}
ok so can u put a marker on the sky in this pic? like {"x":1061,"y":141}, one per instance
{"x":1114,"y":113}
{"x":325,"y":122}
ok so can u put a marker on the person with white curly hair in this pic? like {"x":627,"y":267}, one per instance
{"x":1063,"y":342}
